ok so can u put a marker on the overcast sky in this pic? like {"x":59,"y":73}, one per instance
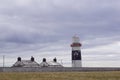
{"x":44,"y":28}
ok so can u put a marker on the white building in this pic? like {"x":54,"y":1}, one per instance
{"x":53,"y":63}
{"x":26,"y":63}
{"x":33,"y":63}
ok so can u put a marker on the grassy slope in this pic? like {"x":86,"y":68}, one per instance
{"x":61,"y":76}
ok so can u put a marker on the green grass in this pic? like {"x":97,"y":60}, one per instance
{"x":60,"y":76}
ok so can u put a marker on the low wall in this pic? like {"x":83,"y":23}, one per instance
{"x":1,"y":69}
{"x":55,"y":69}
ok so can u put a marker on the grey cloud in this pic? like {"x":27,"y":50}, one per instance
{"x":80,"y":19}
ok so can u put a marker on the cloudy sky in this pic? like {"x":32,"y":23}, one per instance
{"x":44,"y":28}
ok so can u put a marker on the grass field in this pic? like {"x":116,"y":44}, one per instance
{"x":60,"y":76}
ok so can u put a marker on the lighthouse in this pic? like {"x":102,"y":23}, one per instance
{"x":76,"y":52}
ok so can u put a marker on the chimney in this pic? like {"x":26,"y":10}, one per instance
{"x":32,"y":58}
{"x":44,"y":59}
{"x":19,"y":59}
{"x":55,"y":60}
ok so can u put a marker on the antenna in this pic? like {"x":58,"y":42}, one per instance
{"x":61,"y":61}
{"x":3,"y":60}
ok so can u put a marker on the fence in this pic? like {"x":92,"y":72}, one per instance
{"x":55,"y":69}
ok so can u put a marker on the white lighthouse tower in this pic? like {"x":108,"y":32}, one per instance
{"x":76,"y":52}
